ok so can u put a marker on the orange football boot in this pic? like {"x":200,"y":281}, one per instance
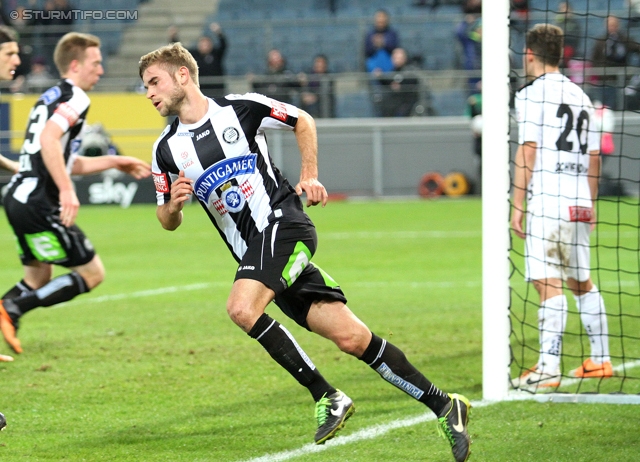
{"x":589,"y":369}
{"x":9,"y":330}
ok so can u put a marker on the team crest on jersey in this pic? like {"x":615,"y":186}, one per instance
{"x":233,"y":199}
{"x":230,"y":135}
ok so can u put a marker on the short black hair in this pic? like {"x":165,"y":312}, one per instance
{"x":7,"y":34}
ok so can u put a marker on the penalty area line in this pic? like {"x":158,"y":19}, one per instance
{"x":361,"y":435}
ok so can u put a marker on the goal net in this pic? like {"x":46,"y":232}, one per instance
{"x":602,"y":56}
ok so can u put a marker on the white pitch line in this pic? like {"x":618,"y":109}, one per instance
{"x":144,"y":293}
{"x":364,"y":434}
{"x":211,"y":285}
{"x":382,"y":429}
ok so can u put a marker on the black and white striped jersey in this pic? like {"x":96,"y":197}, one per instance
{"x":226,"y":155}
{"x":66,"y":105}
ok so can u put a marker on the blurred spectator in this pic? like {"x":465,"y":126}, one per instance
{"x":317,"y":96}
{"x":469,"y":34}
{"x":379,"y":43}
{"x":23,"y":27}
{"x":519,"y":24}
{"x":473,"y":111}
{"x":430,"y":3}
{"x":614,"y":47}
{"x":634,"y":10}
{"x":4,"y":18}
{"x":400,"y":87}
{"x":519,"y":13}
{"x":52,"y":27}
{"x":472,"y":6}
{"x":279,"y":82}
{"x":208,"y":56}
{"x":173,"y":34}
{"x":566,"y":20}
{"x":610,"y":51}
{"x":36,"y":80}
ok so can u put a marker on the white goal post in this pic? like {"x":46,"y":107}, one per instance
{"x":495,"y":200}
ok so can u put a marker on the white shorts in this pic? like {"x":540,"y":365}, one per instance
{"x":558,"y":247}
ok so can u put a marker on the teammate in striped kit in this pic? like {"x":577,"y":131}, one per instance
{"x":41,"y":203}
{"x":558,"y":166}
{"x":216,"y":150}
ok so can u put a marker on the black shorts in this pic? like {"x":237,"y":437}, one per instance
{"x":280,"y":258}
{"x":41,"y":236}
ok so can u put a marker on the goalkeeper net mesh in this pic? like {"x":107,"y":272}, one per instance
{"x":602,"y":55}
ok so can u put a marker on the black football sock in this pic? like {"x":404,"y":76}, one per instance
{"x":19,"y":289}
{"x":58,"y":290}
{"x":391,"y":363}
{"x":283,"y":348}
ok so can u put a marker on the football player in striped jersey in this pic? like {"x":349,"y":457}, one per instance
{"x":216,"y":150}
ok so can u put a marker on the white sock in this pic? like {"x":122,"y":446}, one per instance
{"x":552,"y":319}
{"x":594,"y":320}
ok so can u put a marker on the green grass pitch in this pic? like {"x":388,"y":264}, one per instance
{"x":148,"y":367}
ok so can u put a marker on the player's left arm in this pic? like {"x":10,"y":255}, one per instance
{"x":307,"y":138}
{"x":134,"y":167}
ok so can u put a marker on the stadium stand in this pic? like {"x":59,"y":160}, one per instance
{"x":302,"y":28}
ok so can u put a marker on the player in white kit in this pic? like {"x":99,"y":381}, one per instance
{"x":557,"y":168}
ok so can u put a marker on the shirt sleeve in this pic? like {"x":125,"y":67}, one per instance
{"x":67,"y":114}
{"x":268,"y":112}
{"x":529,"y":114}
{"x":162,"y":178}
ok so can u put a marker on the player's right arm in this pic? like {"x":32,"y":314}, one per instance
{"x":53,"y":158}
{"x":170,"y":213}
{"x":524,"y":162}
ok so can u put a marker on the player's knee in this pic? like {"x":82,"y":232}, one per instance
{"x":241,"y":314}
{"x":93,"y":273}
{"x":353,"y":342}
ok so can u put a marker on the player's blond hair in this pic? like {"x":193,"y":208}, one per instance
{"x":72,"y":46}
{"x":546,"y":41}
{"x":171,"y":58}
